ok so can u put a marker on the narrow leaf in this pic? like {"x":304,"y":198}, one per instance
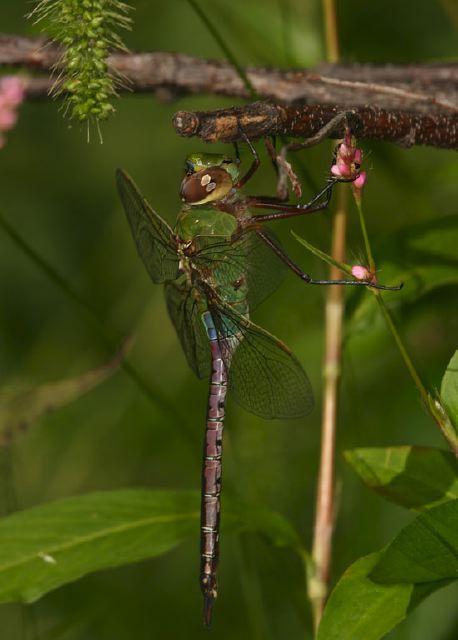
{"x":21,"y":406}
{"x":360,"y":609}
{"x":424,"y":551}
{"x":47,"y":546}
{"x":322,"y":255}
{"x":414,"y":477}
{"x":449,"y":389}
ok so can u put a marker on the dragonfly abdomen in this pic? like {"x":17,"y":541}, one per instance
{"x":211,"y":472}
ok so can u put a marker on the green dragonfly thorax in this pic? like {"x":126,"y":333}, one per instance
{"x":195,"y":222}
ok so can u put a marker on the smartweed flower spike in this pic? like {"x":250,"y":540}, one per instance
{"x":348,"y":158}
{"x":12,"y":90}
{"x":360,"y":272}
{"x":87,"y":31}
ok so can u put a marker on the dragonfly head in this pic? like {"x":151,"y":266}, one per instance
{"x":209,"y":177}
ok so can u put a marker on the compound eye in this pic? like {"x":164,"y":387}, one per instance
{"x":205,"y":186}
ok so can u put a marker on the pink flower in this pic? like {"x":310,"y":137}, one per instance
{"x":12,"y":92}
{"x":359,"y":272}
{"x":348,"y":161}
{"x":360,"y":180}
{"x":8,"y":119}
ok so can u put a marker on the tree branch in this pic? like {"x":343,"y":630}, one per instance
{"x":410,"y":104}
{"x":425,"y":87}
{"x":261,"y":119}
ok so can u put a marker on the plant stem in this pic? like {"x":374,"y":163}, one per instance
{"x":318,"y":577}
{"x":330,"y":25}
{"x":402,"y":349}
{"x":227,"y":51}
{"x":432,"y":404}
{"x":324,"y":516}
{"x":367,"y":244}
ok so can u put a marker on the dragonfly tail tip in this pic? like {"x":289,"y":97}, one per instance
{"x":208,"y":610}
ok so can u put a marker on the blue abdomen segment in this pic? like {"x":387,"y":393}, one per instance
{"x":209,"y":325}
{"x":230,"y":329}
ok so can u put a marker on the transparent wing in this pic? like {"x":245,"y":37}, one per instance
{"x":186,"y":316}
{"x":264,"y":376}
{"x":154,"y":238}
{"x":248,"y":256}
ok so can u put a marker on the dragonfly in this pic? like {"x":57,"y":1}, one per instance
{"x":217,"y":265}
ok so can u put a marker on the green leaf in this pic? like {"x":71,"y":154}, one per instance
{"x":414,"y":477}
{"x":322,"y":255}
{"x":423,"y":256}
{"x":47,"y":546}
{"x":21,"y":406}
{"x":424,"y":551}
{"x":360,"y":609}
{"x":449,"y":389}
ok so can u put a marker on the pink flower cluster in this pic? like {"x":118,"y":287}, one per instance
{"x":12,"y":90}
{"x":348,"y":161}
{"x":360,"y":272}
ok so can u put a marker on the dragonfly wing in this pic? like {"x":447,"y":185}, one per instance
{"x":153,"y":236}
{"x":265,"y":271}
{"x":264,"y":376}
{"x":186,"y":317}
{"x":248,"y":256}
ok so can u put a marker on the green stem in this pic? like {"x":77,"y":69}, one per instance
{"x":402,"y":349}
{"x":367,"y":244}
{"x":224,"y":48}
{"x":388,"y":319}
{"x":432,"y":405}
{"x":330,"y":25}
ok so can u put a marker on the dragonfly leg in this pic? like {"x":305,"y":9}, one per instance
{"x":343,"y":118}
{"x":287,"y":210}
{"x":254,"y":165}
{"x":308,"y":278}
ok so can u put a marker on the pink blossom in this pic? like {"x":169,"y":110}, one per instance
{"x":359,"y":272}
{"x":8,"y":119}
{"x":12,"y":91}
{"x":360,"y":180}
{"x":347,"y":162}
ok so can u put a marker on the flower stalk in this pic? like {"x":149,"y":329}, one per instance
{"x":433,"y":405}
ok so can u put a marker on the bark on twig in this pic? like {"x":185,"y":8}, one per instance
{"x":410,"y":104}
{"x":260,"y":119}
{"x":430,"y":87}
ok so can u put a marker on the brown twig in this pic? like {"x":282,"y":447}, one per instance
{"x":261,"y":119}
{"x":419,"y":88}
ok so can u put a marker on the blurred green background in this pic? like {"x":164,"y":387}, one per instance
{"x":58,"y":192}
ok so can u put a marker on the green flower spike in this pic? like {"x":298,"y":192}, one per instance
{"x":86,"y":29}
